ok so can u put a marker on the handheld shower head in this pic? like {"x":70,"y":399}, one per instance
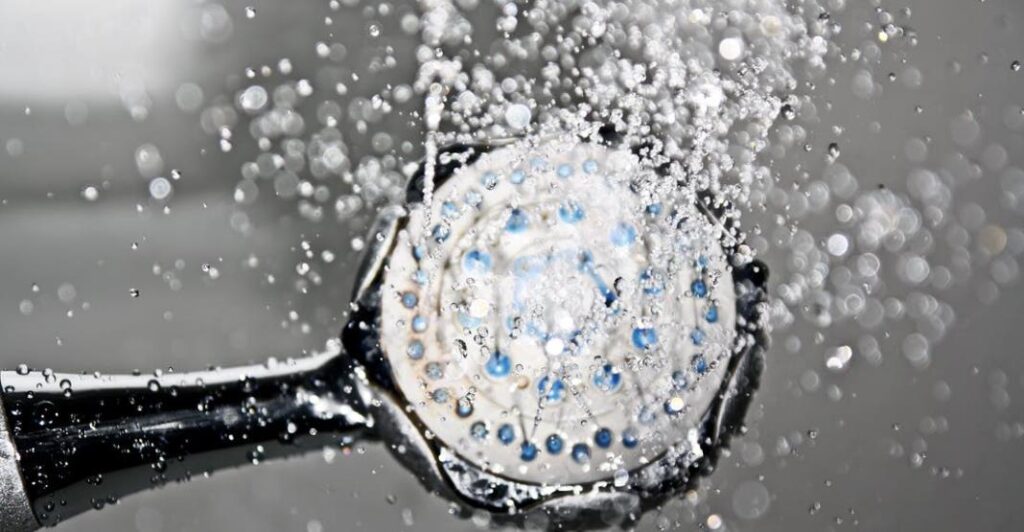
{"x":540,"y":327}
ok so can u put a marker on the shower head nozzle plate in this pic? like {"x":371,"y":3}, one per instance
{"x":549,"y":320}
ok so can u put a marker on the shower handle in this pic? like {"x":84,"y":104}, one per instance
{"x":72,"y":442}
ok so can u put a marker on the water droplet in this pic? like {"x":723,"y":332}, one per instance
{"x":160,"y":188}
{"x":731,"y":48}
{"x":518,"y":116}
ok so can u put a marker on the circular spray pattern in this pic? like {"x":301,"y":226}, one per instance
{"x":548,"y":322}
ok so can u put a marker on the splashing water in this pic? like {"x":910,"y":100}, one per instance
{"x":714,"y":95}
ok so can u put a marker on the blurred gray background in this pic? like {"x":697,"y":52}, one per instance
{"x":83,"y":86}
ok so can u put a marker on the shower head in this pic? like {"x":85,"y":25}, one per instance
{"x":550,"y":330}
{"x":544,"y":326}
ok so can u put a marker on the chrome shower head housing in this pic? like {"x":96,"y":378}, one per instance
{"x":550,"y":330}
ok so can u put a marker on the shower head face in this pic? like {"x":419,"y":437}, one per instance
{"x":549,"y":322}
